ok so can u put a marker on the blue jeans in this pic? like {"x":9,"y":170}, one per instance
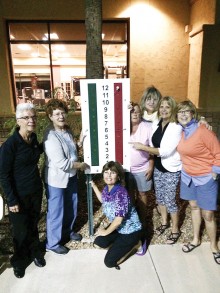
{"x":61,"y":212}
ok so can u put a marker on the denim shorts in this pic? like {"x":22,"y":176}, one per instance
{"x":205,"y":195}
{"x":142,"y":183}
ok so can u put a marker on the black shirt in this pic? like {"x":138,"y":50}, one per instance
{"x":19,"y":173}
{"x":156,"y":140}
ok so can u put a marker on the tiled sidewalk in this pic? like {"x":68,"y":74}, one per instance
{"x":164,"y":268}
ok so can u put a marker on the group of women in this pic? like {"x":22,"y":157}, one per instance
{"x":166,"y":142}
{"x":23,"y":188}
{"x":182,"y":146}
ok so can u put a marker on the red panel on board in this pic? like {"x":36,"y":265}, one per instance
{"x":118,"y":122}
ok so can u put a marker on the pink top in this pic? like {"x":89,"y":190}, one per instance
{"x":140,"y":159}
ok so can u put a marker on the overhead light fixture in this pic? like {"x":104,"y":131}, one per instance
{"x":103,"y":36}
{"x":53,"y":36}
{"x":12,"y":37}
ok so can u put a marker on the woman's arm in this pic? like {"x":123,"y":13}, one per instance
{"x":56,"y":153}
{"x":168,"y":144}
{"x":142,"y":147}
{"x":80,"y":166}
{"x":96,"y":190}
{"x":211,"y":141}
{"x":112,"y":227}
{"x":202,"y":121}
{"x":81,"y":139}
{"x":7,"y":157}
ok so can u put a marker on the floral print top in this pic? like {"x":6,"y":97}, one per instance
{"x":117,"y":203}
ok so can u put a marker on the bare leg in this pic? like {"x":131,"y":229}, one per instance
{"x":211,"y":228}
{"x":142,"y":207}
{"x":175,"y":222}
{"x":196,"y":221}
{"x":164,"y":214}
{"x":174,"y":236}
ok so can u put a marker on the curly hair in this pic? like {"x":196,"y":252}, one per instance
{"x":54,"y":104}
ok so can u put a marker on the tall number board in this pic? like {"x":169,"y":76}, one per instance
{"x":105,"y":122}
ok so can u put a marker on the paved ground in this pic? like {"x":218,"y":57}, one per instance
{"x":164,"y":268}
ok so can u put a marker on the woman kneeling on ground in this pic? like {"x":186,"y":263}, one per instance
{"x":124,"y":233}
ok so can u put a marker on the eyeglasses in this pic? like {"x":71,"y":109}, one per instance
{"x":187,"y":112}
{"x":28,"y":118}
{"x":63,"y":114}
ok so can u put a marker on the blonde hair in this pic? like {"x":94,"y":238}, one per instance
{"x":172,"y":103}
{"x":149,"y":93}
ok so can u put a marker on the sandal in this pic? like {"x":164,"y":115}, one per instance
{"x":161,"y":229}
{"x":173,"y":238}
{"x":217,"y":257}
{"x":189,"y":247}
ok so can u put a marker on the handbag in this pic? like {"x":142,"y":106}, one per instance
{"x":2,"y":208}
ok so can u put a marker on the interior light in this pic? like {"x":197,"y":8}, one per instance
{"x":55,"y":54}
{"x":24,"y":47}
{"x":53,"y":36}
{"x":12,"y":37}
{"x":103,"y":36}
{"x":66,"y":55}
{"x":35,"y":55}
{"x":59,"y":47}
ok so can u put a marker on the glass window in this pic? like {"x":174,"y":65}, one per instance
{"x":27,"y":31}
{"x":49,"y":58}
{"x":114,"y":31}
{"x":69,"y":31}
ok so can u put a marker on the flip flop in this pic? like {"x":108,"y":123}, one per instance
{"x":217,"y":257}
{"x":189,"y":247}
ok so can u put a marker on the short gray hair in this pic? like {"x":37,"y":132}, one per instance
{"x":23,"y":107}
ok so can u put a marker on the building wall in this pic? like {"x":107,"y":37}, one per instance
{"x":158,"y":44}
{"x":204,"y":68}
{"x":202,"y":12}
{"x":209,"y":96}
{"x":195,"y":68}
{"x":29,"y":9}
{"x":161,"y":52}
